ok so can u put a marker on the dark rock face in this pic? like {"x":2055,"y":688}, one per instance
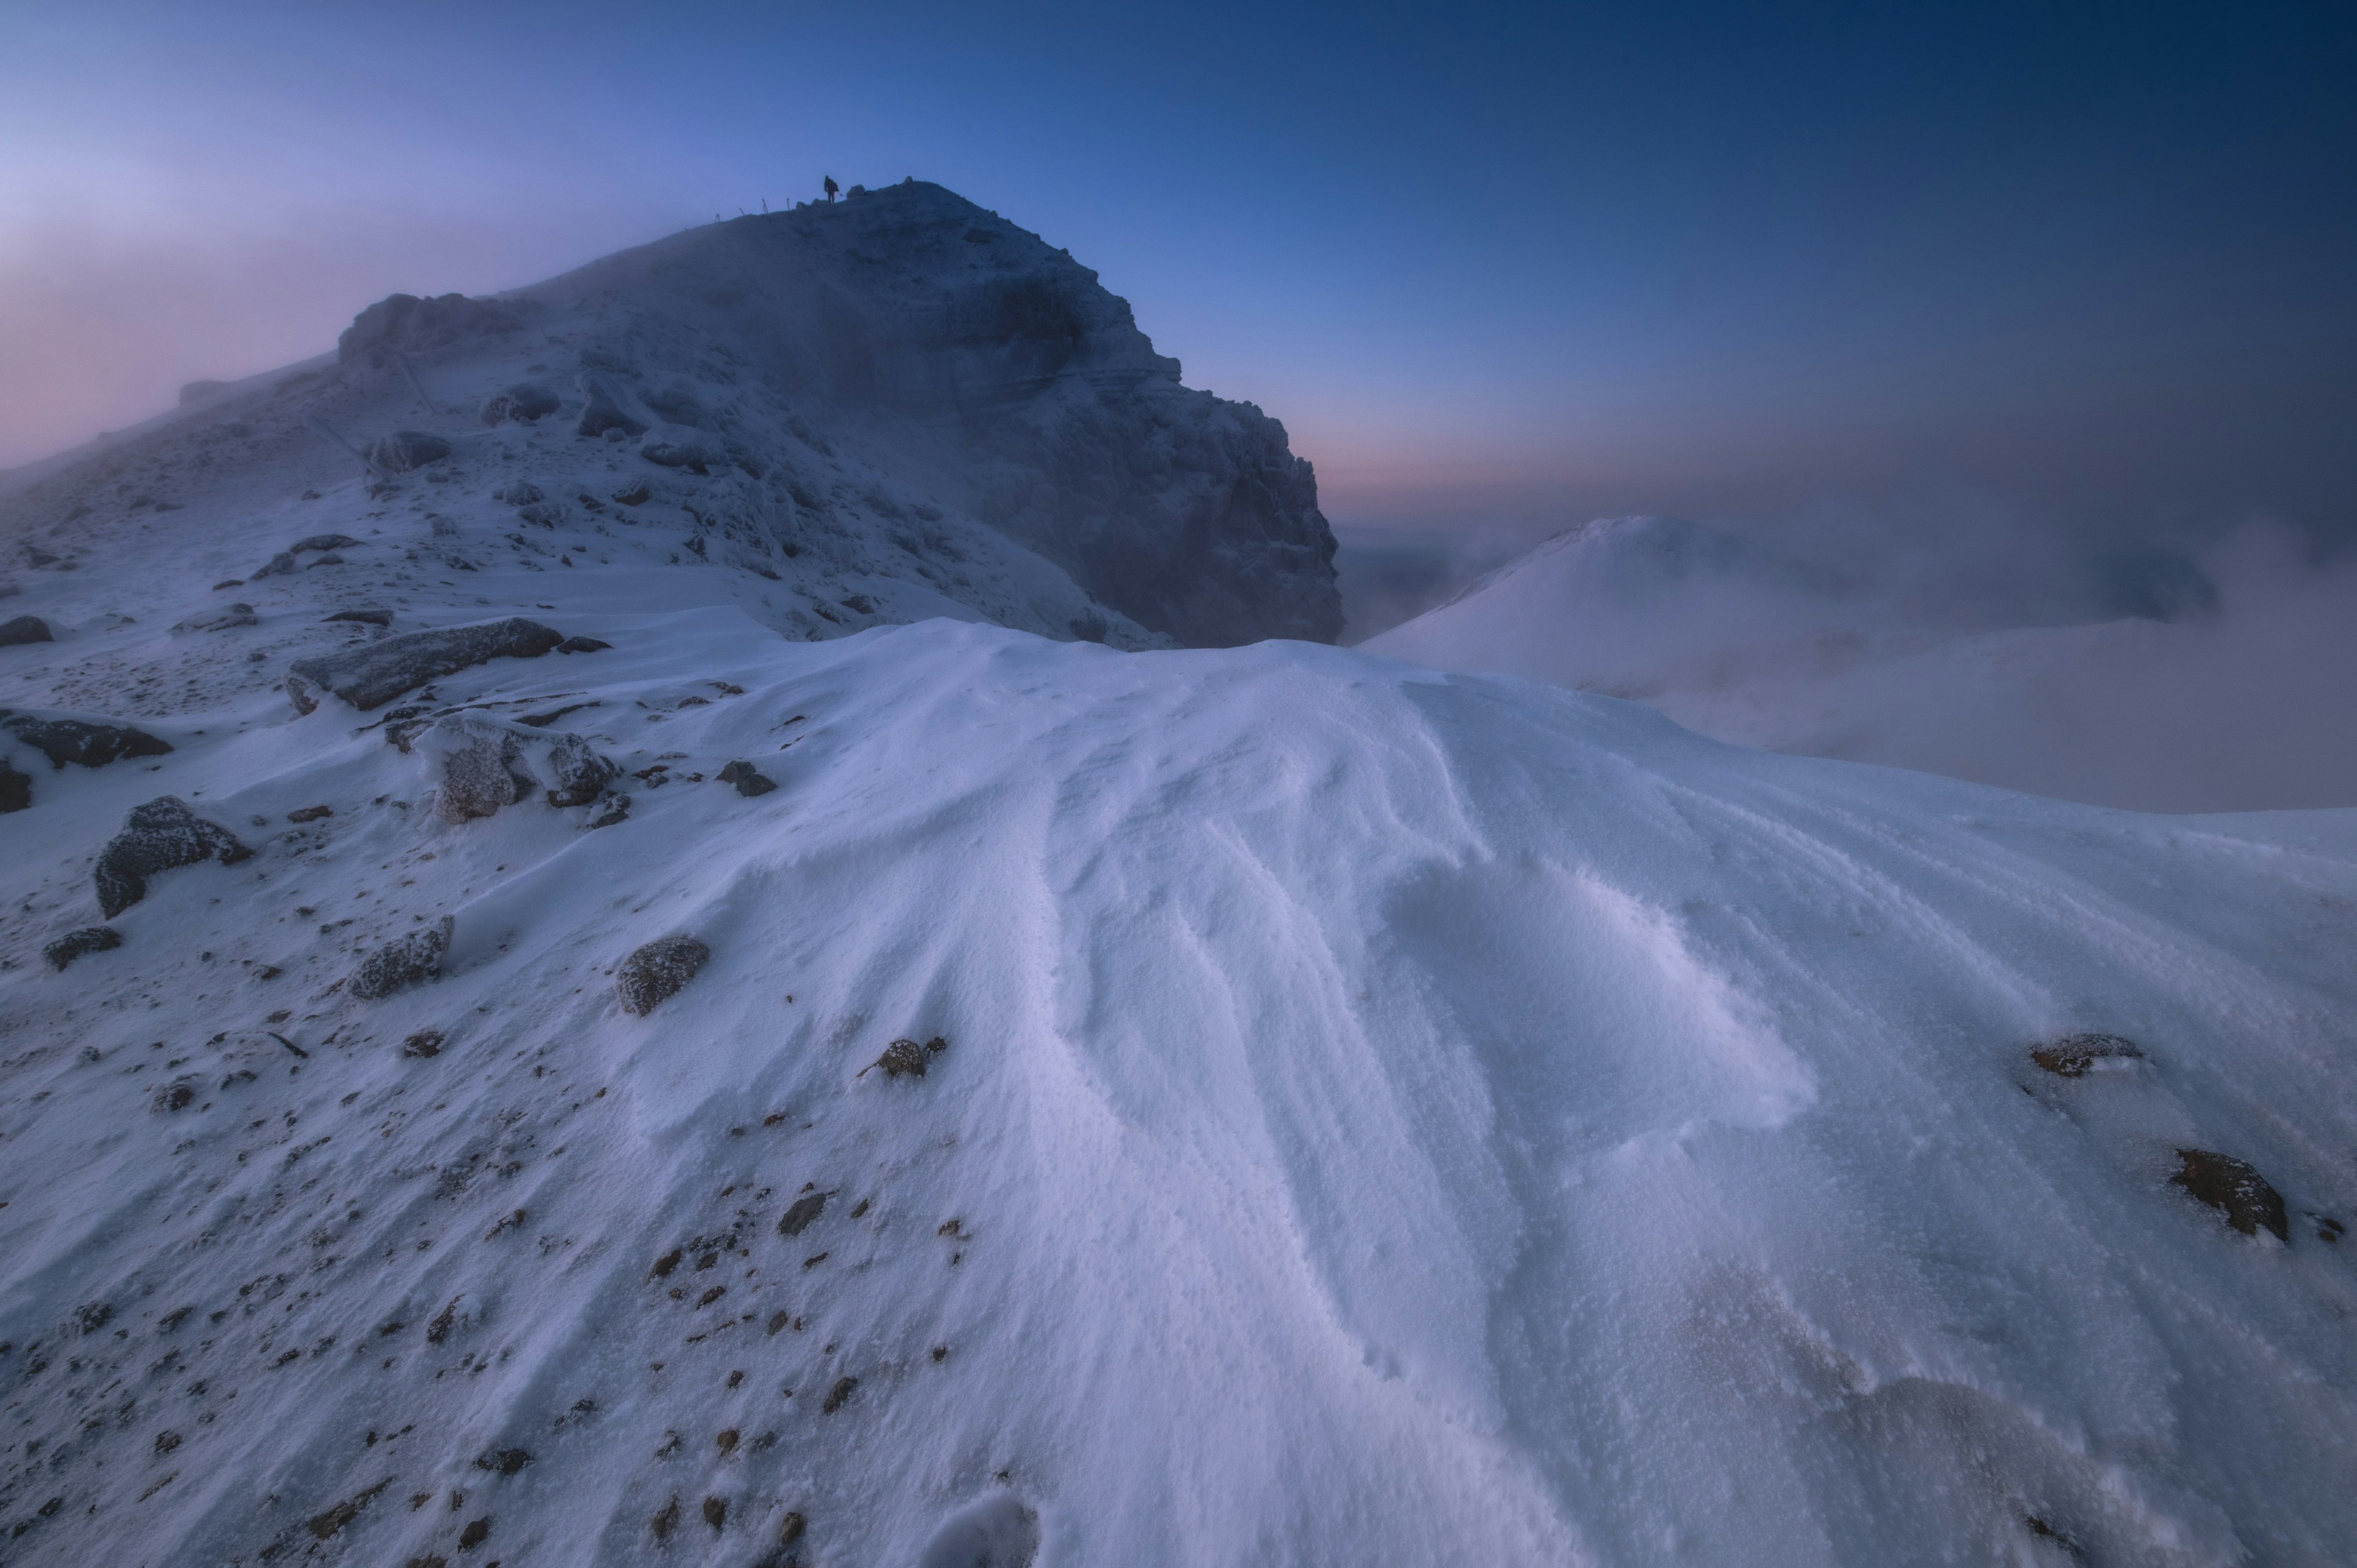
{"x":74,"y":944}
{"x":158,"y":836}
{"x":373,"y":674}
{"x":404,"y":960}
{"x":2234,"y":1190}
{"x":654,"y":973}
{"x":24,"y":630}
{"x":403,"y":322}
{"x":404,"y":450}
{"x":1041,"y":399}
{"x":16,"y":788}
{"x":91,"y":743}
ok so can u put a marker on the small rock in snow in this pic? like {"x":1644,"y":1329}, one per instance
{"x":177,"y":1095}
{"x":837,"y":1395}
{"x":365,"y":618}
{"x":748,"y":781}
{"x":310,"y":814}
{"x":73,"y":944}
{"x":2234,"y":1190}
{"x":24,"y":630}
{"x":279,"y":565}
{"x":518,"y":492}
{"x":582,"y":645}
{"x":404,"y":960}
{"x":2075,"y":1055}
{"x":425,"y":1042}
{"x":158,"y":836}
{"x":325,"y":541}
{"x":805,"y":1209}
{"x":656,"y":971}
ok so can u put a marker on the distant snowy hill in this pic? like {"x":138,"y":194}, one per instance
{"x":542,"y":1029}
{"x":2244,"y":707}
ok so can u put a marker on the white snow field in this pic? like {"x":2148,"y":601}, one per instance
{"x":2245,"y":707}
{"x":1365,"y":1115}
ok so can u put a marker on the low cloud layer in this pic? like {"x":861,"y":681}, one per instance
{"x":2133,"y":675}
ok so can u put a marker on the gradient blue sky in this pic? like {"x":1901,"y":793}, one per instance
{"x":1484,"y":261}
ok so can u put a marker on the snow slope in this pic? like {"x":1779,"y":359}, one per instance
{"x":1379,"y":1115}
{"x":2245,"y":708}
{"x":1384,"y":1116}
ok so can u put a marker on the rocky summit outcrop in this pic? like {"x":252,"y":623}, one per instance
{"x":988,"y":371}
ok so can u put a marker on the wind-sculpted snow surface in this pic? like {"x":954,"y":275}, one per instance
{"x":1366,"y":1116}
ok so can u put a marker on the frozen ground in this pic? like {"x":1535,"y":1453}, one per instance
{"x":1366,"y":1115}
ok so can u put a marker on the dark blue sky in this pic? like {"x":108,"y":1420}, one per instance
{"x":1535,"y":262}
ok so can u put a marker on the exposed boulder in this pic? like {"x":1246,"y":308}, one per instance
{"x":158,"y":836}
{"x":524,"y":403}
{"x":282,"y":564}
{"x":364,"y":618}
{"x":604,"y":412}
{"x":653,"y":973}
{"x":405,"y":450}
{"x":405,"y":323}
{"x":74,"y":944}
{"x":481,"y":764}
{"x":15,"y":787}
{"x":90,"y":742}
{"x":681,"y":446}
{"x":404,"y":960}
{"x":749,"y":781}
{"x":374,"y":673}
{"x":582,"y":645}
{"x":2234,"y":1190}
{"x":24,"y":630}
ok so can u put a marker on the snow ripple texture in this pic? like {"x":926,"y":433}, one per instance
{"x":1380,"y":1117}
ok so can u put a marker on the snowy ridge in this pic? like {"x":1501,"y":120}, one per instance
{"x":1381,"y":1116}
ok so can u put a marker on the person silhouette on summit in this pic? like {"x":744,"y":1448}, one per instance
{"x":832,"y":187}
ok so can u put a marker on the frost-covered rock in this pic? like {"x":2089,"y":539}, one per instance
{"x":402,"y":962}
{"x":681,"y":446}
{"x":525,"y":403}
{"x":654,"y":973}
{"x":374,"y":673}
{"x":404,"y":450}
{"x":22,"y":629}
{"x":225,"y":619}
{"x":158,"y":836}
{"x":481,"y":764}
{"x":405,"y":323}
{"x":77,"y":944}
{"x":88,"y":742}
